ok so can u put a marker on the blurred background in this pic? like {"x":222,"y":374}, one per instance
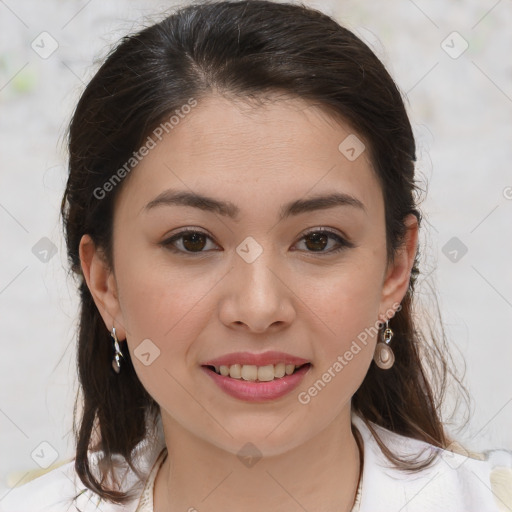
{"x":451,"y":60}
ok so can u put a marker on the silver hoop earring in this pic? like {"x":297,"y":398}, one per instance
{"x":116,"y":362}
{"x":384,"y":357}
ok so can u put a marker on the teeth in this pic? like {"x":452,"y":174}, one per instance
{"x":279,"y":370}
{"x":235,"y":371}
{"x":252,"y":373}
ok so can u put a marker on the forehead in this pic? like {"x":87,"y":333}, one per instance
{"x":281,"y":148}
{"x":275,"y":131}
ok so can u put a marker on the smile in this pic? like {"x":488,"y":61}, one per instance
{"x":249,"y":387}
{"x":255,"y":373}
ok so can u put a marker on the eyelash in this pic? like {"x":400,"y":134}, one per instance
{"x":344,"y":244}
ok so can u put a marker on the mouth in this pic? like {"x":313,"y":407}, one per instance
{"x":253,"y":373}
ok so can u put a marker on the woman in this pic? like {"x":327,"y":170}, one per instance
{"x":240,"y":214}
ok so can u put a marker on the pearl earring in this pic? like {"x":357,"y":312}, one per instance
{"x":384,"y":357}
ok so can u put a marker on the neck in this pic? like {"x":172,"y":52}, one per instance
{"x":321,"y":474}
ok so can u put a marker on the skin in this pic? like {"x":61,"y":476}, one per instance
{"x":296,"y":297}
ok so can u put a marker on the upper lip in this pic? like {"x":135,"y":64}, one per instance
{"x":262,"y":359}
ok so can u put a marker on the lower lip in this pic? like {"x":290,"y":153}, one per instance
{"x":258,"y":391}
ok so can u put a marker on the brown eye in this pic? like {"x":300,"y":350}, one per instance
{"x":318,"y":240}
{"x":191,"y":241}
{"x":194,"y":242}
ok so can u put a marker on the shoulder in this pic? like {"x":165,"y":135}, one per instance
{"x":60,"y":489}
{"x":56,"y":490}
{"x":457,"y":480}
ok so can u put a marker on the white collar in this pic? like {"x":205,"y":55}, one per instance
{"x":453,"y":482}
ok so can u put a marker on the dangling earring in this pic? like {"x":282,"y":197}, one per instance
{"x":116,"y":362}
{"x":384,"y":357}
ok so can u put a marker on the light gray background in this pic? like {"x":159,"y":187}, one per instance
{"x":461,"y":112}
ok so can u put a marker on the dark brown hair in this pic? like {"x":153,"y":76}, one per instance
{"x":244,"y":50}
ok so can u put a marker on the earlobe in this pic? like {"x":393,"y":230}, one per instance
{"x":101,"y":282}
{"x":398,"y":273}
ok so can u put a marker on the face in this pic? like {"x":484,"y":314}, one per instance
{"x":256,"y":274}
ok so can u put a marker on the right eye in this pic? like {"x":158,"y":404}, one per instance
{"x":192,"y":241}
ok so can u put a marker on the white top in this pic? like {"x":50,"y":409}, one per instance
{"x":453,"y":483}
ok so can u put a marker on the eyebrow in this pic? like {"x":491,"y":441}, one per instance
{"x":228,"y":209}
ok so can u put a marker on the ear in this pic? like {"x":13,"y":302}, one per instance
{"x":101,"y":282}
{"x":398,"y":272}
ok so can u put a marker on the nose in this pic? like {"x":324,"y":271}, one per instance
{"x":257,"y":297}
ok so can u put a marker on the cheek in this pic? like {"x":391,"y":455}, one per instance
{"x":158,"y":295}
{"x":162,"y":320}
{"x":164,"y":305}
{"x":348,"y":306}
{"x":348,"y":301}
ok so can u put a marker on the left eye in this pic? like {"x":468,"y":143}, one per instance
{"x":194,"y":241}
{"x":318,"y":240}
